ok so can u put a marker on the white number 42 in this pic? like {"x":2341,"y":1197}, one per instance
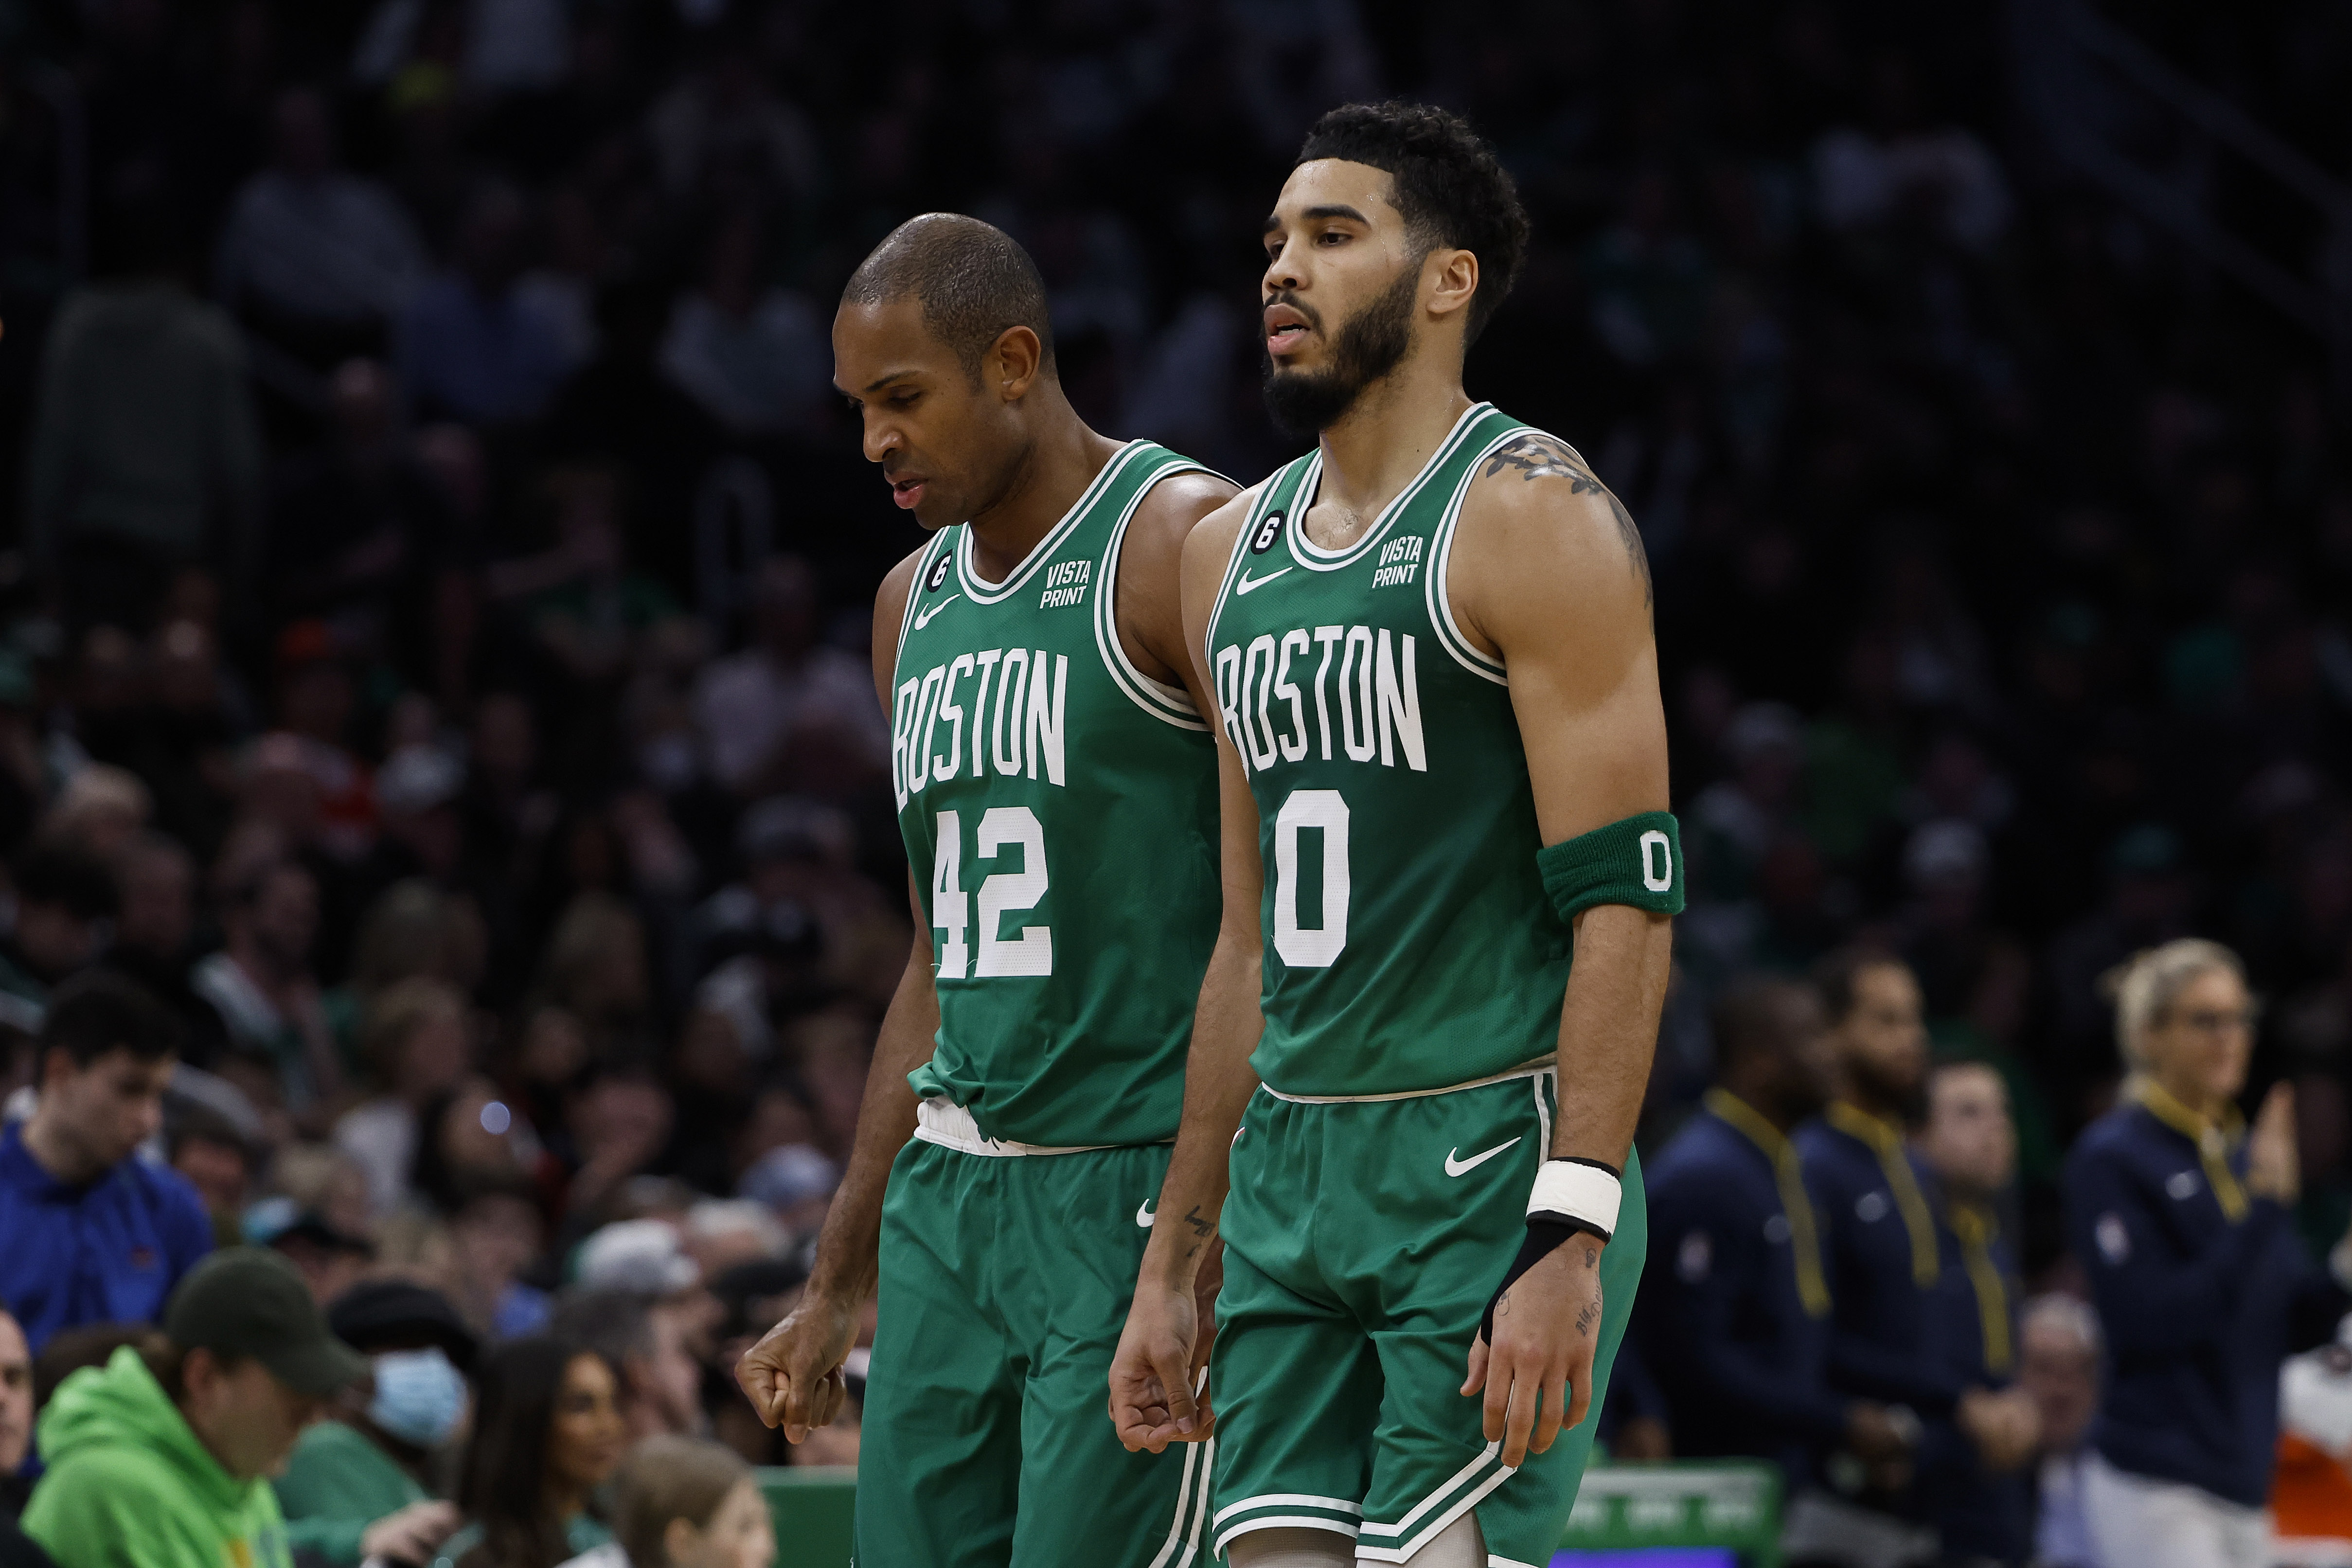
{"x":1000,"y":894}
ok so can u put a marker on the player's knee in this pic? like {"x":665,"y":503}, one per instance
{"x":1291,"y":1549}
{"x":1458,"y":1545}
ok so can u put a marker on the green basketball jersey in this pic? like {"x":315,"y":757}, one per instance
{"x":1409,"y":942}
{"x":1060,"y":813}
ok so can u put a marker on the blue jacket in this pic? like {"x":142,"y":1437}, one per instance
{"x":2198,"y":1309}
{"x":1882,"y":1335}
{"x":1741,"y":1364}
{"x":1975,"y":1512}
{"x":107,"y":1253}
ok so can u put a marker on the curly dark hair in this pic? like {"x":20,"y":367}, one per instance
{"x":1450,"y":187}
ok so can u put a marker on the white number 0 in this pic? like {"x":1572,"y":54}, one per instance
{"x":1003,"y":893}
{"x":1317,"y":946}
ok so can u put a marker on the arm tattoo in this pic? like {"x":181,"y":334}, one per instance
{"x":1540,"y":456}
{"x":1203,"y":1228}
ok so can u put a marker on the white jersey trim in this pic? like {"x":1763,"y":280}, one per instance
{"x":950,"y":1126}
{"x":924,"y":561}
{"x":1257,"y":515}
{"x":1535,"y":1070}
{"x":1450,"y":635}
{"x":983,"y":592}
{"x":1404,"y":1549}
{"x":1191,"y":1497}
{"x":1314,"y":557}
{"x":1282,"y":1521}
{"x":1170,"y":704}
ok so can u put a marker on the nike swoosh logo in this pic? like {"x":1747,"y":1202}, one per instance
{"x":1455,"y":1167}
{"x":1249,"y":584}
{"x":923,"y":616}
{"x":1143,"y":1215}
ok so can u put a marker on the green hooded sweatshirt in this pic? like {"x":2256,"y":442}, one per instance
{"x":129,"y":1486}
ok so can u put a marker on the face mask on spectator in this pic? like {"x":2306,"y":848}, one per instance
{"x":419,"y":1395}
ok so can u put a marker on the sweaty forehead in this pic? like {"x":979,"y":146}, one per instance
{"x":1337,"y":183}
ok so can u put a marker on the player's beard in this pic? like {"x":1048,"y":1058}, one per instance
{"x":1368,"y":346}
{"x":1906,"y":1097}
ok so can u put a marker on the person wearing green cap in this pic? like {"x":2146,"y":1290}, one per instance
{"x":161,"y":1461}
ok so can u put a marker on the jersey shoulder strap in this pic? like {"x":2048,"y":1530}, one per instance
{"x":1285,"y":489}
{"x":1486,"y":435}
{"x":1148,"y":464}
{"x":935,"y":559}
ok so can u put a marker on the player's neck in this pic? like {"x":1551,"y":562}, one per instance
{"x":57,"y":1154}
{"x":1395,"y":427}
{"x":1061,"y":462}
{"x":1876,"y":1107}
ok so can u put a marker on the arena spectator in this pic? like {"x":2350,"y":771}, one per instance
{"x":548,"y":1433}
{"x":473,"y":347}
{"x":678,"y":1502}
{"x":145,"y":458}
{"x":1978,"y":1497}
{"x":1878,"y":1228}
{"x":95,"y":1233}
{"x":2183,"y":1220}
{"x":494,"y":1234}
{"x":262,"y":988}
{"x":318,"y":258}
{"x":17,"y":1407}
{"x":646,"y":1338}
{"x":2058,"y":1367}
{"x":414,"y":1044}
{"x":155,"y":923}
{"x":330,"y":1258}
{"x":64,"y":898}
{"x":357,"y":531}
{"x":213,"y":1152}
{"x":164,"y":1461}
{"x":16,"y":1416}
{"x":788,"y":692}
{"x":1735,"y":1331}
{"x":359,"y":1484}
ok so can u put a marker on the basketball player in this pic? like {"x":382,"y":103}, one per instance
{"x":1444,"y":769}
{"x":1057,"y":789}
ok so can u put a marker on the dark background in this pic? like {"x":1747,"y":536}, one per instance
{"x":2002,"y":540}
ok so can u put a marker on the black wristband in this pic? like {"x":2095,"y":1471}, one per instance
{"x":1547,"y":1234}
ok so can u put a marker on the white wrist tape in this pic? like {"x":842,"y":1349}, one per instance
{"x":1577,"y":1189}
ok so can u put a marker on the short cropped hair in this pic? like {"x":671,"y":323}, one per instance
{"x":1450,"y":187}
{"x":972,"y":279}
{"x":99,"y":1011}
{"x":1838,"y":977}
{"x":1749,"y":1018}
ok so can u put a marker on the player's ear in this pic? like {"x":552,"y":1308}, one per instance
{"x":1014,"y":360}
{"x":1452,"y":278}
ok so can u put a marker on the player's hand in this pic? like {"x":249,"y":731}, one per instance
{"x":1155,"y":1373}
{"x":1537,"y":1374}
{"x":793,"y":1375}
{"x":2005,"y":1426}
{"x":412,"y":1534}
{"x":2272,"y":1168}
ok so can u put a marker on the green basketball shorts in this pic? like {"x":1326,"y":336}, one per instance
{"x":1363,"y":1239}
{"x":1004,"y":1283}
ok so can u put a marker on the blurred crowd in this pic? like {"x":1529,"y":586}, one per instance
{"x":434,"y":632}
